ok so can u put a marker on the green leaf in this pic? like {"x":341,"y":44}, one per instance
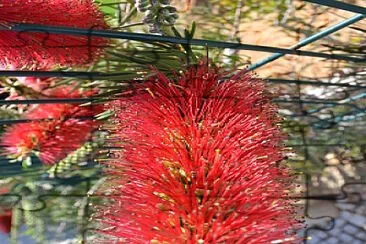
{"x":104,"y":115}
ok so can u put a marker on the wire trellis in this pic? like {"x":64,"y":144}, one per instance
{"x":318,"y":115}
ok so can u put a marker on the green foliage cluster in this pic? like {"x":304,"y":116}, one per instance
{"x":216,"y":20}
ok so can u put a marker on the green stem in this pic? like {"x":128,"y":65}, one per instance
{"x":16,"y":221}
{"x":129,"y":15}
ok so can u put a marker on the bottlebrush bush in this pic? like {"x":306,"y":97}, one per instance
{"x":54,"y":130}
{"x":42,"y":50}
{"x":39,"y":85}
{"x":5,"y":222}
{"x":199,"y":162}
{"x":5,"y":212}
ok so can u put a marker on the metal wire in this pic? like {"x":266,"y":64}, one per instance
{"x":311,"y":111}
{"x":340,"y":5}
{"x":148,"y":38}
{"x":311,"y":39}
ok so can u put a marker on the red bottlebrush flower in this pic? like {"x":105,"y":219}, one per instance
{"x":37,"y":84}
{"x":199,"y":163}
{"x":42,"y":50}
{"x":5,"y":222}
{"x":54,"y":129}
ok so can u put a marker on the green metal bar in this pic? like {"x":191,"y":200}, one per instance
{"x":168,"y":39}
{"x":325,"y":103}
{"x":311,"y":39}
{"x":43,"y":101}
{"x":101,"y":75}
{"x":20,"y":121}
{"x":339,"y":118}
{"x":345,"y":102}
{"x":340,"y":5}
{"x":62,"y":74}
{"x":314,"y":83}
